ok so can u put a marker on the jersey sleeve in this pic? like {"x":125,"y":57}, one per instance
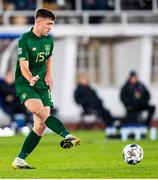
{"x":22,"y":50}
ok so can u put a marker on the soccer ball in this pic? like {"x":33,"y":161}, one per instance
{"x":132,"y":154}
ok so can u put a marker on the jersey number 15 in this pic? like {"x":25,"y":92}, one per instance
{"x":40,"y":57}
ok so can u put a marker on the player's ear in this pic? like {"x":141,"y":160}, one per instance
{"x":38,"y":20}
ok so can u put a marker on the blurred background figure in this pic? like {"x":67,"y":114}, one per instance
{"x":135,"y":97}
{"x":11,"y":105}
{"x":87,"y":98}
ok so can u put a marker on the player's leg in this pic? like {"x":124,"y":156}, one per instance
{"x":30,"y":143}
{"x":52,"y":122}
{"x":56,"y":125}
{"x":37,"y":108}
{"x":33,"y":138}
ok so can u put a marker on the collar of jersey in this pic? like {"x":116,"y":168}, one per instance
{"x":35,"y":34}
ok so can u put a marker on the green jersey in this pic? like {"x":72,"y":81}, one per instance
{"x":36,"y":50}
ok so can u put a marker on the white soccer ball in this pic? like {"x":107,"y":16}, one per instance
{"x":132,"y":154}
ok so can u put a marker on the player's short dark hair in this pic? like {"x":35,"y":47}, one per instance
{"x":45,"y":13}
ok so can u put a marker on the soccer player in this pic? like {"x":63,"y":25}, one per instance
{"x":33,"y":85}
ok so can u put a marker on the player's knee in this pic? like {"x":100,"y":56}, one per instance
{"x":41,"y":113}
{"x":39,"y":128}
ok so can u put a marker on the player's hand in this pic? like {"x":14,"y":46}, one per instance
{"x":49,"y":81}
{"x":34,"y":80}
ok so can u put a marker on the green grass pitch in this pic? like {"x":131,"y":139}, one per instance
{"x":95,"y":158}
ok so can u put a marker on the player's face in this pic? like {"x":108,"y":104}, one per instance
{"x":45,"y":26}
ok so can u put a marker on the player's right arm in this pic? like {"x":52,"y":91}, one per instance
{"x":23,"y":59}
{"x":24,"y":67}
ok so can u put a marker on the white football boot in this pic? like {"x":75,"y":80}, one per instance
{"x":19,"y":163}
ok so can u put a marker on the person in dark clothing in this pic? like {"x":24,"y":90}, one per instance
{"x":87,"y":97}
{"x":135,"y":97}
{"x":9,"y":101}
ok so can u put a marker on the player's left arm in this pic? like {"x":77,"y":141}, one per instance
{"x":48,"y":77}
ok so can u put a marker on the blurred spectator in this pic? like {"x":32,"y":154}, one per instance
{"x":87,"y":97}
{"x":97,"y":5}
{"x":129,"y":5}
{"x":136,"y":4}
{"x":144,"y":4}
{"x":135,"y":97}
{"x":9,"y":101}
{"x":19,"y":4}
{"x":25,"y":4}
{"x":59,"y":4}
{"x":8,"y":5}
{"x":66,"y":4}
{"x":50,"y":4}
{"x":19,"y":20}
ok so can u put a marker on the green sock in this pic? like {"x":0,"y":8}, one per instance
{"x":29,"y":145}
{"x":56,"y":125}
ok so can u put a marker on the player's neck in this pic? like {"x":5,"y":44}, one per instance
{"x":36,"y":31}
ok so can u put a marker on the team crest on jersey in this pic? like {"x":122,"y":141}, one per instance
{"x":23,"y":96}
{"x":19,"y":51}
{"x":47,"y":49}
